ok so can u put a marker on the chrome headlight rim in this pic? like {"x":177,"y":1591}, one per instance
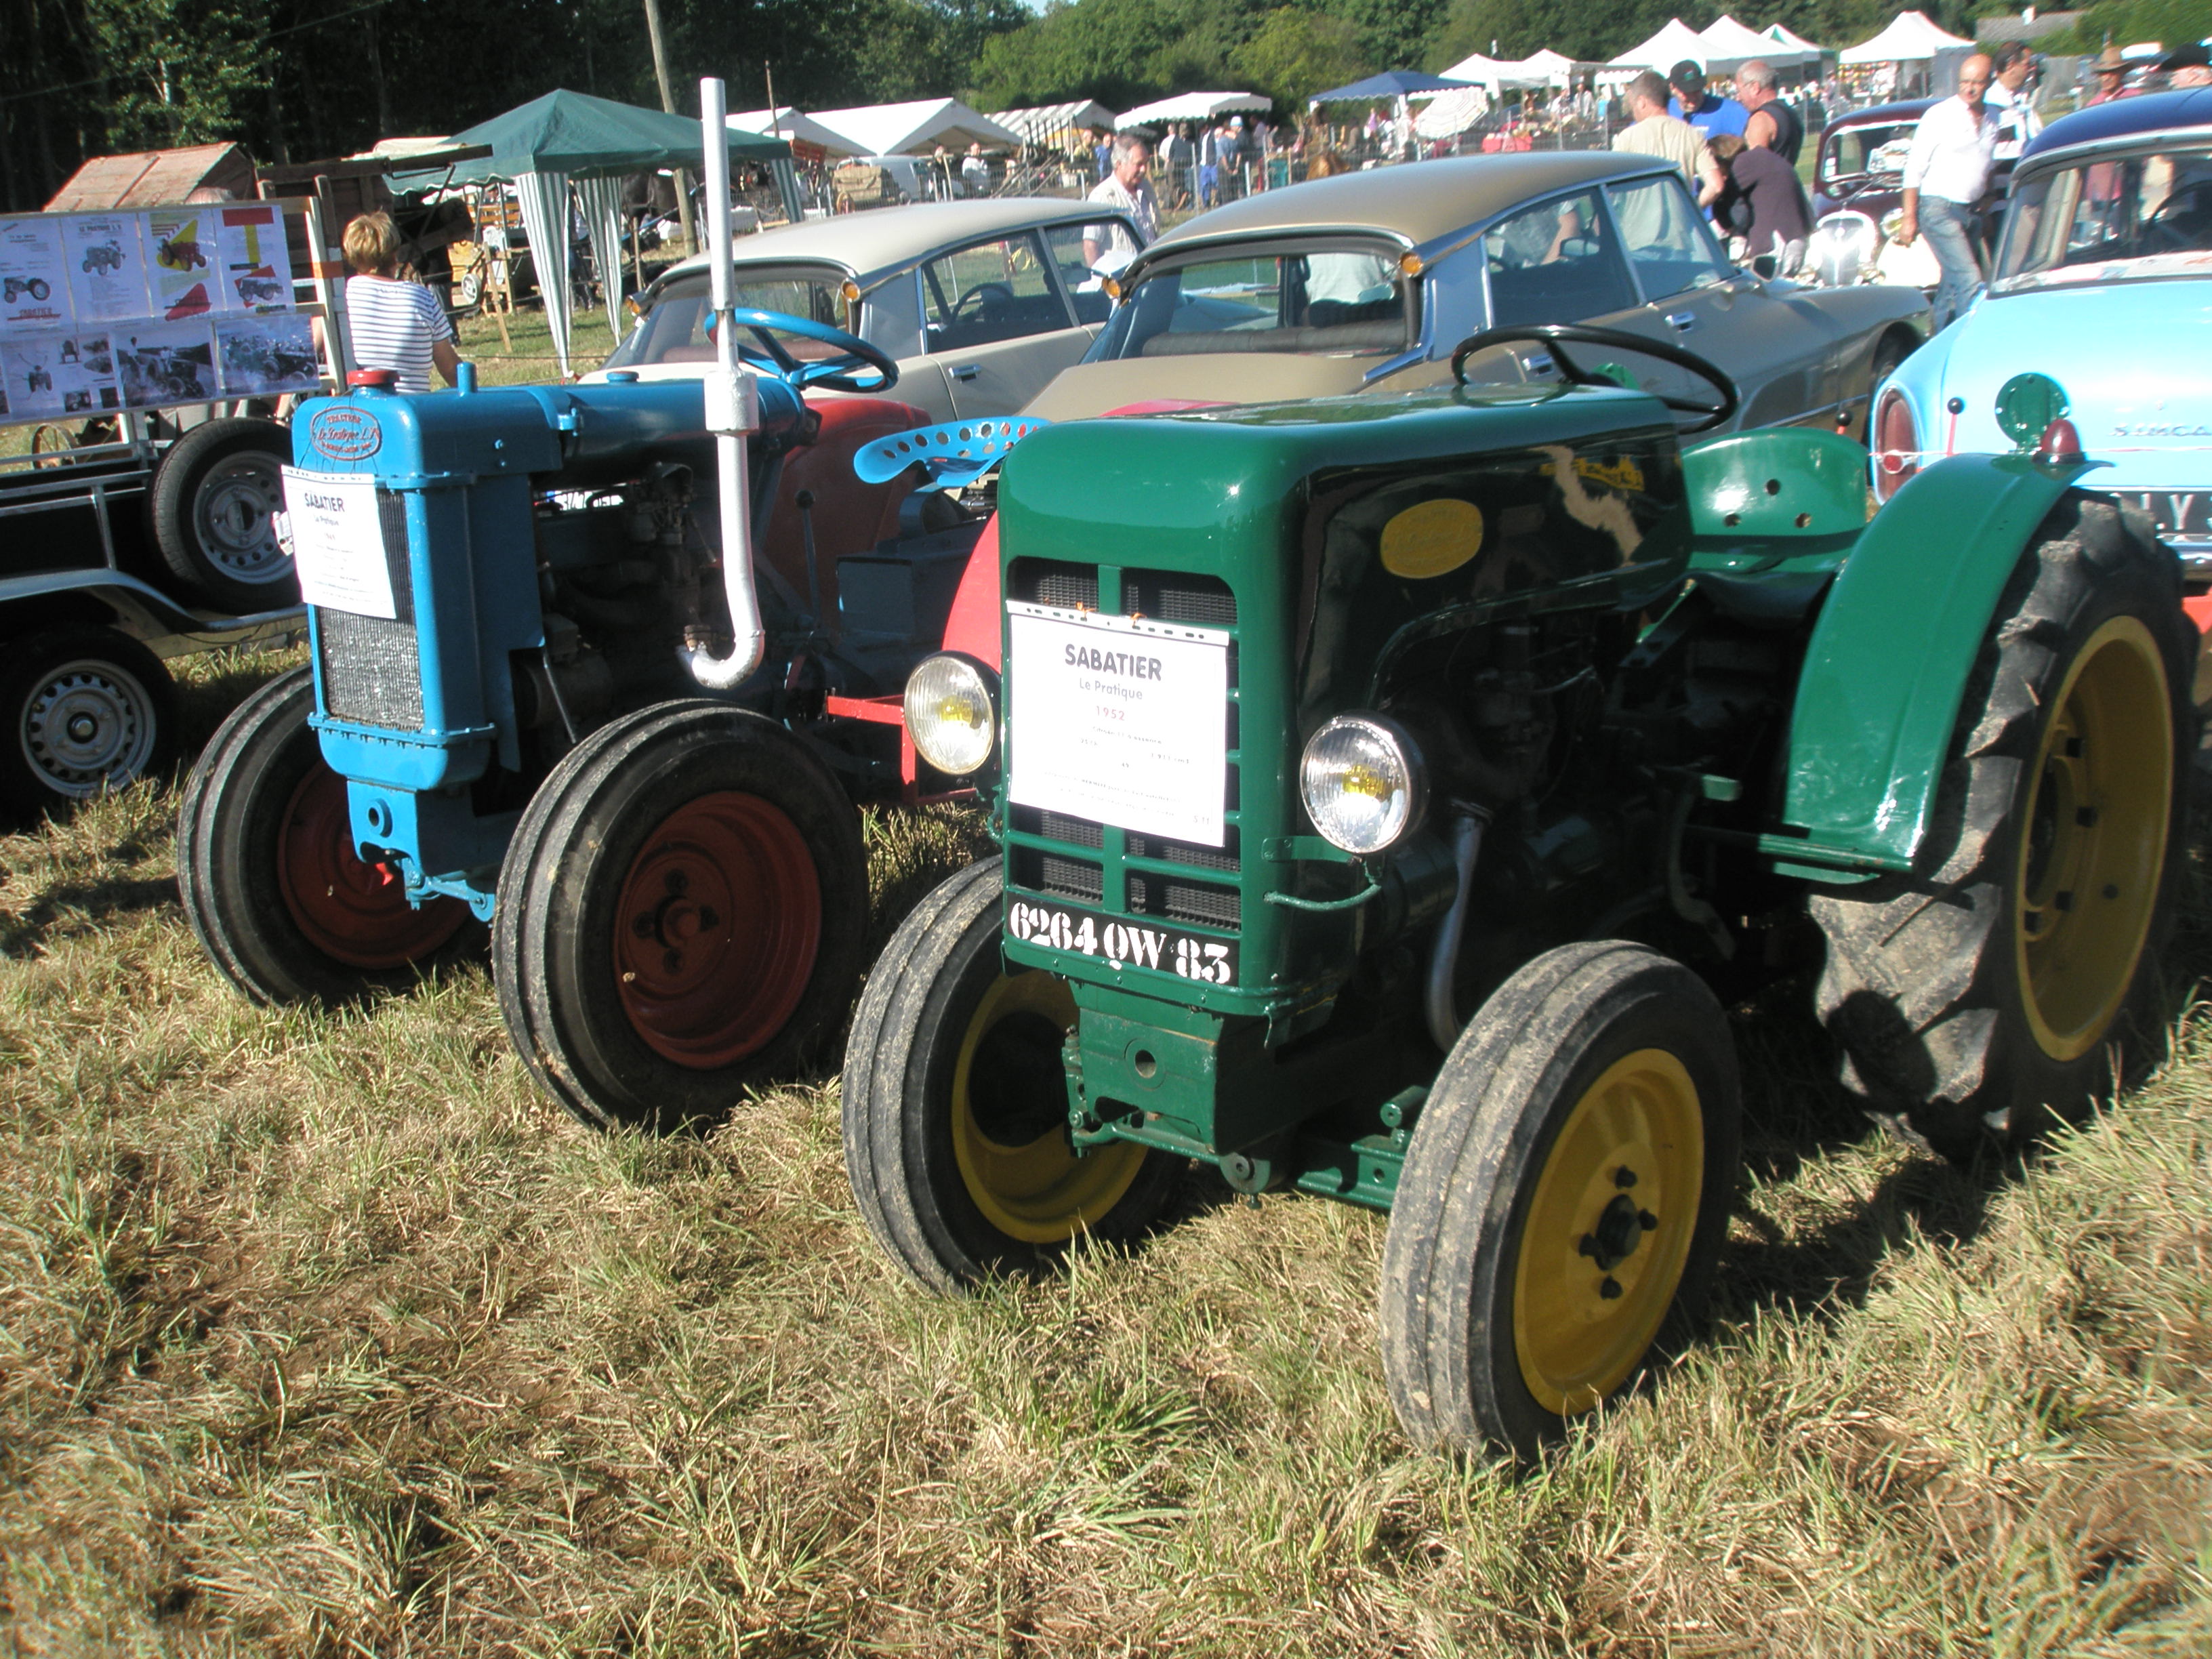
{"x":924,"y":724}
{"x":1399,"y":747}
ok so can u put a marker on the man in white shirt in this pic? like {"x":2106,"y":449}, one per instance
{"x":1126,"y":187}
{"x":1945,"y":175}
{"x":2010,"y":96}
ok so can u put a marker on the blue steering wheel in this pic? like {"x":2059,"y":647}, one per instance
{"x":856,"y":356}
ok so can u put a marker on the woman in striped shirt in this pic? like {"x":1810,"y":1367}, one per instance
{"x":393,"y":325}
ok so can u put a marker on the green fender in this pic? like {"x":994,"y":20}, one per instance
{"x":1888,"y":662}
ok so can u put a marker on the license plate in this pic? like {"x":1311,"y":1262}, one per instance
{"x":2185,"y":514}
{"x":1123,"y":942}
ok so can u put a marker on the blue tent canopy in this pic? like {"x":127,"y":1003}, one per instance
{"x":1390,"y":83}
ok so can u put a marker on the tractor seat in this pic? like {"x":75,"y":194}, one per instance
{"x":850,"y":516}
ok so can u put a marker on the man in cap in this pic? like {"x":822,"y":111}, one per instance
{"x":1694,"y":104}
{"x":2111,"y":71}
{"x":2187,"y":66}
{"x":1947,"y":174}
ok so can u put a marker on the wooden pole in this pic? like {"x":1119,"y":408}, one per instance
{"x":668,"y":104}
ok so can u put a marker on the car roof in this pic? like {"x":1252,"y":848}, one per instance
{"x":880,"y":241}
{"x":2124,"y":117}
{"x":1422,"y":203}
{"x":1905,"y":109}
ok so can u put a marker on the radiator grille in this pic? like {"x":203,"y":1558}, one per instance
{"x":1059,"y":826}
{"x":372,"y":670}
{"x":1070,"y":879}
{"x":1055,"y":583}
{"x":1154,"y":895}
{"x":1177,"y":596}
{"x":1183,"y":852}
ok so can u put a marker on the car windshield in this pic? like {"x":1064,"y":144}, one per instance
{"x":2110,"y":221}
{"x":1320,"y":302}
{"x":1879,"y":147}
{"x":675,"y":330}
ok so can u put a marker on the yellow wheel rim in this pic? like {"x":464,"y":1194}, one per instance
{"x":1609,"y":1230}
{"x":1036,"y":1190}
{"x":2094,"y":844}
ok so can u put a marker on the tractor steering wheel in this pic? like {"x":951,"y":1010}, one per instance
{"x":1554,"y":335}
{"x":856,"y":356}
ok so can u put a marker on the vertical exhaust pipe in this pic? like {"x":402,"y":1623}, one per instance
{"x":733,"y":415}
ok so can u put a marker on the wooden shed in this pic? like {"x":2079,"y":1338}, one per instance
{"x":158,"y":178}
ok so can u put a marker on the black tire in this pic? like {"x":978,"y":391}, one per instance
{"x":281,"y":903}
{"x":681,"y":916}
{"x":1943,"y":1039}
{"x":939,"y":993}
{"x":87,"y":709}
{"x":211,"y":499}
{"x":1497,"y":1322}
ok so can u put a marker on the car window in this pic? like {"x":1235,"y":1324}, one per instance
{"x":991,"y":291}
{"x":2135,"y":215}
{"x":1878,"y":148}
{"x":1665,"y":241}
{"x":1093,"y":303}
{"x":1325,"y":301}
{"x":675,"y":330}
{"x":1555,"y":263}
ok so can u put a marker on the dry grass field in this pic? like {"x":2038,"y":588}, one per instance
{"x":322,"y":1334}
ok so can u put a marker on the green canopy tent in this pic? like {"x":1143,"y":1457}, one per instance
{"x":594,"y":143}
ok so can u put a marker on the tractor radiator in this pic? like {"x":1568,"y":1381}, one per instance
{"x":371,"y":669}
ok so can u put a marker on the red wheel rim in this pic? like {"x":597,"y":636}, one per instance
{"x":353,"y":912}
{"x":716,"y":930}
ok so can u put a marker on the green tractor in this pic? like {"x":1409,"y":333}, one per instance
{"x":1383,"y":784}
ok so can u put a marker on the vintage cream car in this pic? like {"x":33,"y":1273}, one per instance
{"x":1370,"y":279}
{"x":979,"y":303}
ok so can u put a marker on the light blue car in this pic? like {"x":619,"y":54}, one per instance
{"x":2103,"y":282}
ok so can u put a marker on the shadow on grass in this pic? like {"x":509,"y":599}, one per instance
{"x":71,"y":909}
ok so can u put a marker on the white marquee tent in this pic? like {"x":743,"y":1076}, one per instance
{"x":1043,"y":124}
{"x":789,"y":123}
{"x":1677,"y":42}
{"x":1911,"y":38}
{"x":1729,"y":45}
{"x":1783,"y":35}
{"x":1495,"y":73}
{"x":913,"y":129}
{"x":1552,"y":68}
{"x":1193,"y":107}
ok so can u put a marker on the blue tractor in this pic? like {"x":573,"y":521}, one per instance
{"x":558,"y":698}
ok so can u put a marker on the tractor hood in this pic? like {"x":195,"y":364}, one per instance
{"x":1254,"y":377}
{"x":2148,"y":413}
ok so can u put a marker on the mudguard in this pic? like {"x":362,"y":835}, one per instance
{"x":1886,"y":669}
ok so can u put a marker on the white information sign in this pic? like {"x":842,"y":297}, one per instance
{"x":337,"y":541}
{"x":106,"y":264}
{"x":1119,"y":720}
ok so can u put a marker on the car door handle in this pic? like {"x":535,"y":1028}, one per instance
{"x":1684,"y":321}
{"x":967,"y":371}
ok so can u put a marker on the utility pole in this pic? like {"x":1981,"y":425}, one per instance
{"x":668,"y":103}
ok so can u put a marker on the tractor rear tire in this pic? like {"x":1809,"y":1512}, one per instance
{"x":1564,"y":1198}
{"x":681,"y":915}
{"x":211,"y":499}
{"x":282,"y":903}
{"x":1983,"y":994}
{"x":947,"y":1047}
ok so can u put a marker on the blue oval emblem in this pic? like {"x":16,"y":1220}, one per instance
{"x":345,"y":434}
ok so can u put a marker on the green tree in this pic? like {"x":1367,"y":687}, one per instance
{"x":1298,"y":53}
{"x":2125,"y":22}
{"x":176,"y":71}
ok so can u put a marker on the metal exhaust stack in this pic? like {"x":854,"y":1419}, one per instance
{"x":732,"y":414}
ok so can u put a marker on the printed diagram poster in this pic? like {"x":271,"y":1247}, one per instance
{"x":160,"y":363}
{"x":33,"y":292}
{"x":85,"y":370}
{"x":107,"y":267}
{"x":30,"y":365}
{"x":181,"y":255}
{"x":257,"y":267}
{"x":262,"y":357}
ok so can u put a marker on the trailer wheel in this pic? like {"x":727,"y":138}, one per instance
{"x":282,"y":904}
{"x":211,"y":498}
{"x":1563,"y":1200}
{"x":87,"y":709}
{"x":681,"y":915}
{"x":955,"y":1107}
{"x":1986,"y":992}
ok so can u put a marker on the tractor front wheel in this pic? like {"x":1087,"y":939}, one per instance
{"x":1984,"y":994}
{"x":1563,"y":1197}
{"x":955,"y":1107}
{"x":681,"y":914}
{"x":282,"y":903}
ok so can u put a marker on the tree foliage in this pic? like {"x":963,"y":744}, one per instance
{"x":1298,"y":53}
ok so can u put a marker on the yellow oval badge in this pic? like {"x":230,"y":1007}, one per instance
{"x":1433,"y":539}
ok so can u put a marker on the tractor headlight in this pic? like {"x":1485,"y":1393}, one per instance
{"x":1361,"y":779}
{"x":951,"y":713}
